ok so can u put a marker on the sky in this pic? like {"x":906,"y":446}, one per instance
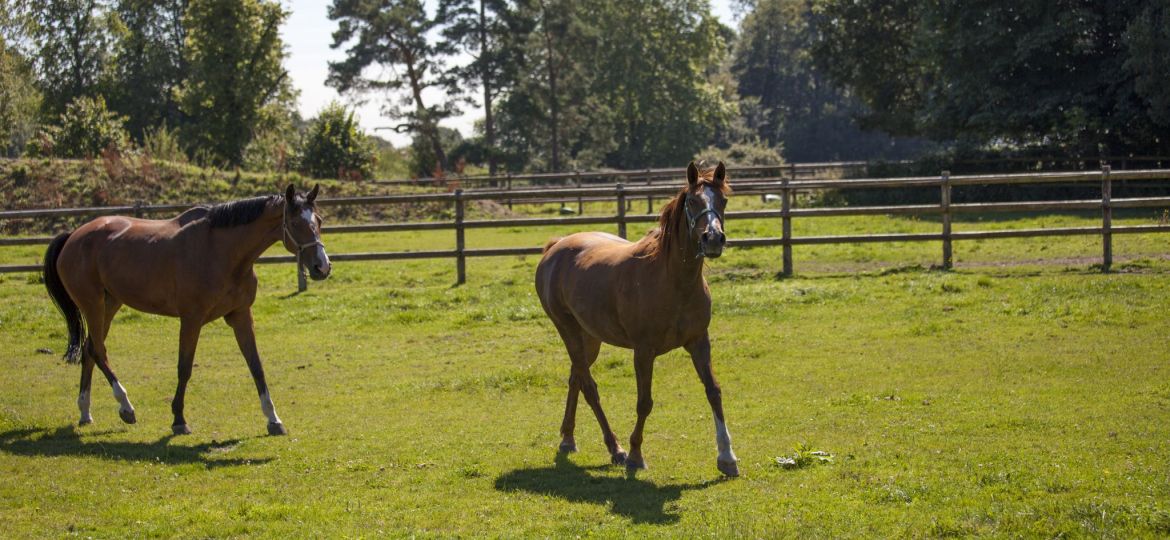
{"x":308,"y":34}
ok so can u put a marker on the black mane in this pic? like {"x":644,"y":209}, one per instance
{"x":241,"y":212}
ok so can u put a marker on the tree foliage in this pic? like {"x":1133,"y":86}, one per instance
{"x":148,"y":66}
{"x":394,"y":35}
{"x":335,"y":147}
{"x":801,"y":110}
{"x":71,"y":42}
{"x":84,"y":130}
{"x":236,"y":85}
{"x":999,"y":72}
{"x":491,"y":33}
{"x":19,"y":101}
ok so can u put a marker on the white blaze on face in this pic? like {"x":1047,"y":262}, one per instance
{"x":83,"y":406}
{"x":712,"y":218}
{"x":120,"y":395}
{"x":321,"y":256}
{"x":723,"y":442}
{"x":268,"y":408}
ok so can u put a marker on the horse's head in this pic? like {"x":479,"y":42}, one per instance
{"x":302,"y":231}
{"x":705,"y":201}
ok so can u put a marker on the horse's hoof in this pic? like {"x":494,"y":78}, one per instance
{"x":728,"y":468}
{"x":276,"y":428}
{"x":567,"y":448}
{"x":634,"y":464}
{"x":618,"y":458}
{"x":181,"y":429}
{"x":127,"y":416}
{"x":85,"y":422}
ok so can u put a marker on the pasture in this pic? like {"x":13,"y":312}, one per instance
{"x":1024,"y":394}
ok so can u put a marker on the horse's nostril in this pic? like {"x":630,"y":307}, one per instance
{"x":722,"y":238}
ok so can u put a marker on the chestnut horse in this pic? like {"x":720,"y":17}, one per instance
{"x":197,"y":267}
{"x":649,"y":296}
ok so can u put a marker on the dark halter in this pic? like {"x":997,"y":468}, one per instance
{"x":693,"y":220}
{"x":300,"y":247}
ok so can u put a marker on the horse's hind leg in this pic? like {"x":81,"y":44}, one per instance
{"x":583,"y":350}
{"x":87,"y":363}
{"x":590,"y":348}
{"x":188,"y":339}
{"x":98,"y":315}
{"x":241,"y":323}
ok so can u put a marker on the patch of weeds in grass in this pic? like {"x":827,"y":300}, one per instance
{"x":945,"y":527}
{"x":803,"y":456}
{"x":983,"y":282}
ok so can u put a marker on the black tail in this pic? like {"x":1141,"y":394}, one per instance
{"x":61,"y":297}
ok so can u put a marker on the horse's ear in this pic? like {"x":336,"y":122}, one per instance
{"x":692,"y":174}
{"x":720,"y":173}
{"x":290,"y":193}
{"x":313,"y":194}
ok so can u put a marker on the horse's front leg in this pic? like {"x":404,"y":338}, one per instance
{"x":701,"y":356}
{"x":241,"y":323}
{"x":644,"y":373}
{"x":189,"y":329}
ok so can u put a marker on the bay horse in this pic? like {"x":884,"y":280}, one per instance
{"x":649,"y":296}
{"x":196,"y":266}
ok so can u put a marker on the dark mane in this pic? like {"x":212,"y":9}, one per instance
{"x":673,"y":212}
{"x":241,"y":212}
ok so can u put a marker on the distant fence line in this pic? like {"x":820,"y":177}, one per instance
{"x":785,"y":186}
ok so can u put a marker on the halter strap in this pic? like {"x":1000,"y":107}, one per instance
{"x":693,"y":220}
{"x":300,"y":247}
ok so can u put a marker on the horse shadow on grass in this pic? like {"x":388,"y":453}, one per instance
{"x":638,"y":500}
{"x":67,"y":441}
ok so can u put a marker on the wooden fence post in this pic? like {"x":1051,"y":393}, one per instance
{"x":580,"y":200}
{"x":509,"y":188}
{"x":460,"y":259}
{"x":302,"y":280}
{"x":786,"y":224}
{"x":947,"y":254}
{"x":1106,"y":219}
{"x":649,"y":198}
{"x":621,"y":208}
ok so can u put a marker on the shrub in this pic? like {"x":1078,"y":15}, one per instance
{"x":84,"y":130}
{"x":742,"y":155}
{"x":334,"y":147}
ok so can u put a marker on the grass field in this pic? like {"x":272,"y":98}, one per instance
{"x":1024,"y":394}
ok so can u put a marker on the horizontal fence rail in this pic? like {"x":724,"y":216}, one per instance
{"x":785,"y":186}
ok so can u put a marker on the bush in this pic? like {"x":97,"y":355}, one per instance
{"x":84,"y":130}
{"x":741,"y":155}
{"x":334,"y":147}
{"x":162,"y":143}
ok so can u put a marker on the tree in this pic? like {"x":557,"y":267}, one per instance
{"x":393,"y":34}
{"x":148,"y":66}
{"x":19,"y":101}
{"x":1006,"y":73}
{"x":487,"y":31}
{"x":236,"y":84}
{"x":71,"y":44}
{"x":802,"y":111}
{"x":335,"y":147}
{"x":618,"y":84}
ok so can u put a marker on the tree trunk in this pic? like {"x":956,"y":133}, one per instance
{"x":489,"y":127}
{"x":429,"y":129}
{"x":554,"y":101}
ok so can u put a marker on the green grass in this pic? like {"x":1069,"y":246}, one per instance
{"x":1024,"y":394}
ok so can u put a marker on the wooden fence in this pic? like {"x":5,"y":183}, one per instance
{"x":785,"y":187}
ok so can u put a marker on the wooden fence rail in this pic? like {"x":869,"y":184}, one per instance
{"x":786,"y":186}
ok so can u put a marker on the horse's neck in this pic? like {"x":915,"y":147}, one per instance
{"x":255,"y":238}
{"x":680,"y":262}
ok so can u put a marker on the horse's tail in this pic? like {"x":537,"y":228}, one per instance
{"x":64,"y":302}
{"x":551,"y":242}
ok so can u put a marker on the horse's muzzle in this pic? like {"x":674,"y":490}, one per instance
{"x":711,"y":244}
